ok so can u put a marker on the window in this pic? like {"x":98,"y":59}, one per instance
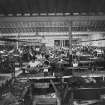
{"x":57,"y":42}
{"x":66,"y":43}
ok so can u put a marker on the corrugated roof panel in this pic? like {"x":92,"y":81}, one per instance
{"x":51,"y":6}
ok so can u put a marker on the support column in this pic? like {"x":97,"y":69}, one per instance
{"x":17,"y":43}
{"x":63,"y":43}
{"x":69,"y":23}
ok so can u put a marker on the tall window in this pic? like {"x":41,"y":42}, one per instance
{"x":57,"y":42}
{"x":66,"y":43}
{"x":61,"y":43}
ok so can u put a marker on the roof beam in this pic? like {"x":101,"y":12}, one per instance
{"x":49,"y":18}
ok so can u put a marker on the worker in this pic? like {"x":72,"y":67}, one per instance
{"x":33,"y":65}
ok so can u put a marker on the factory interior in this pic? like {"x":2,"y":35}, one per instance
{"x":52,"y":52}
